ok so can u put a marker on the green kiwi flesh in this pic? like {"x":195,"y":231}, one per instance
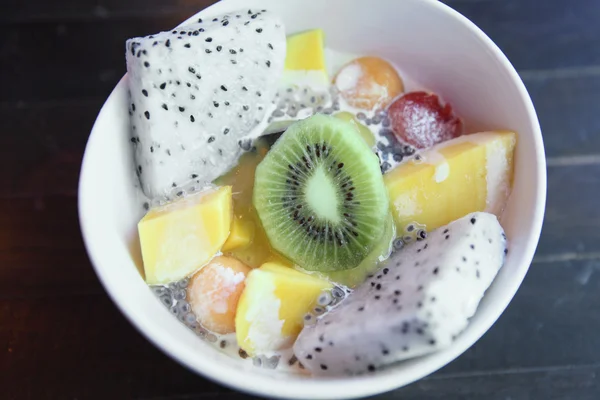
{"x":320,"y":196}
{"x":371,"y":264}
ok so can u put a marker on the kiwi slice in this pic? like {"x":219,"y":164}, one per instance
{"x":320,"y":196}
{"x":372,"y":263}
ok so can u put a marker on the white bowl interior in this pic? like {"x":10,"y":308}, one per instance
{"x":433,"y":45}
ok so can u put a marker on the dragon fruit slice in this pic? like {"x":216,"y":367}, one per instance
{"x":196,"y":92}
{"x":416,"y":304}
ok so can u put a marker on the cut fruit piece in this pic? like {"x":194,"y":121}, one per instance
{"x":417,"y":304}
{"x":272,"y":307}
{"x":354,"y":277}
{"x":306,"y":51}
{"x":214,"y":292}
{"x":242,"y":232}
{"x":467,"y":174}
{"x":369,"y":83}
{"x":365,"y":132}
{"x":180,"y":237}
{"x":305,"y":59}
{"x":195,"y":94}
{"x":419,"y":119}
{"x":320,"y":195}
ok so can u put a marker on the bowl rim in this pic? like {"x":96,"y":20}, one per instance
{"x":334,"y":388}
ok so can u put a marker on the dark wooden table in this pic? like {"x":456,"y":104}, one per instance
{"x":62,"y":338}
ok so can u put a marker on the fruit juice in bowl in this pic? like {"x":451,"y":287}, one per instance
{"x":313,"y":205}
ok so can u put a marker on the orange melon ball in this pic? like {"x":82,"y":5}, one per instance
{"x":214,"y":292}
{"x":369,"y":83}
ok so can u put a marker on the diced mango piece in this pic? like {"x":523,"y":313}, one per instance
{"x":240,"y":237}
{"x":305,"y":59}
{"x":365,"y":132}
{"x":180,"y":237}
{"x":272,"y":307}
{"x":306,"y":51}
{"x":214,"y":292}
{"x":463,"y":175}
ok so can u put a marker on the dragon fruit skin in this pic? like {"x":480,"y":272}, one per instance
{"x":417,"y":304}
{"x":196,"y":92}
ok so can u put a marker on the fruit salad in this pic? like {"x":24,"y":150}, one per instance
{"x":309,"y":210}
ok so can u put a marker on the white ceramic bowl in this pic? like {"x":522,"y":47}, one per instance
{"x":434,"y":45}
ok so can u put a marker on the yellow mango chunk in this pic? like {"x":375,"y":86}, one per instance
{"x":180,"y":237}
{"x":463,"y":175}
{"x":272,"y":307}
{"x":305,"y":59}
{"x":240,"y":237}
{"x":306,"y":51}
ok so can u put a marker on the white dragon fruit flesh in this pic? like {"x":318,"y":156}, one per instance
{"x":417,"y":304}
{"x":196,"y":92}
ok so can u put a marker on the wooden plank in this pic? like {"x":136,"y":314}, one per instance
{"x":41,"y":250}
{"x":572,"y":213}
{"x":533,"y":36}
{"x":40,"y":10}
{"x":550,"y":322}
{"x":539,"y":35}
{"x":567,"y":110}
{"x":81,"y":347}
{"x":82,"y":59}
{"x":540,"y":334}
{"x":41,"y":146}
{"x":560,"y":384}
